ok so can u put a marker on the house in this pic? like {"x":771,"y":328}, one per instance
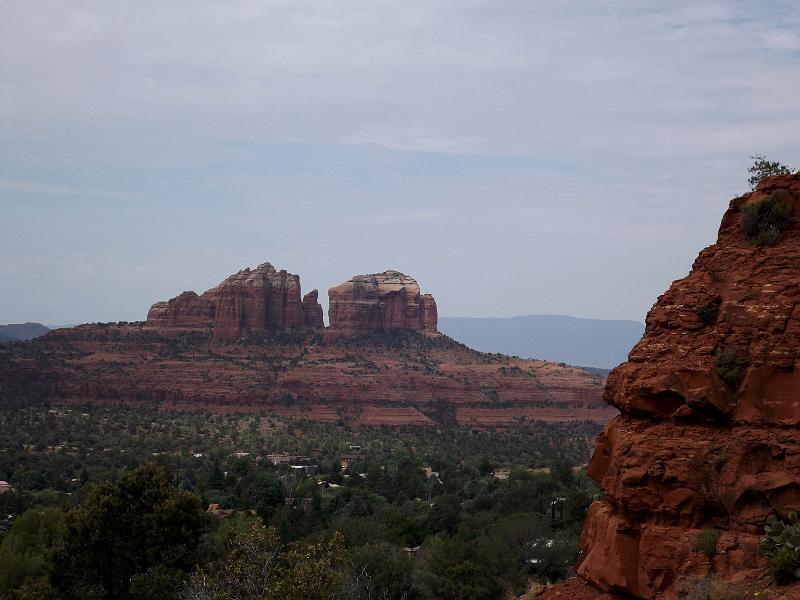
{"x":346,"y":459}
{"x":5,"y":487}
{"x":326,"y":485}
{"x":221,"y":513}
{"x":288,"y":459}
{"x":501,"y":474}
{"x":280,"y":459}
{"x":309,"y":470}
{"x":413,"y":552}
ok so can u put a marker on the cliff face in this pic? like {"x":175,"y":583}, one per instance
{"x":264,"y":299}
{"x":710,"y":403}
{"x":388,"y":301}
{"x":261,"y":299}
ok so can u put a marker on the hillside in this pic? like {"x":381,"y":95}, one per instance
{"x":254,"y":343}
{"x":572,"y":340}
{"x":21,"y":331}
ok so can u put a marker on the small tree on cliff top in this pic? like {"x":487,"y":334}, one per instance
{"x":762,"y":168}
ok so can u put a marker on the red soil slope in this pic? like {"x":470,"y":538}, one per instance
{"x":404,"y":378}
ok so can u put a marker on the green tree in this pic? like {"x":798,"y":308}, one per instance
{"x":26,"y":549}
{"x":247,"y":571}
{"x":267,"y":495}
{"x":380,"y":570}
{"x":312,"y":571}
{"x":762,"y":168}
{"x":446,"y":513}
{"x":135,"y":538}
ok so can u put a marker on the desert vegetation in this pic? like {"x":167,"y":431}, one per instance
{"x":361,"y":513}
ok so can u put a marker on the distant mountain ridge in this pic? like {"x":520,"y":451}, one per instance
{"x":576,"y":341}
{"x":15,"y":332}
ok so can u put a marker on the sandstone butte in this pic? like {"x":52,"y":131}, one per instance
{"x":261,"y":299}
{"x":383,"y":301}
{"x":253,"y":343}
{"x":708,"y":432}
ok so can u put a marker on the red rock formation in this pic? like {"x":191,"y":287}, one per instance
{"x":261,"y":299}
{"x":312,"y":310}
{"x":388,"y":301}
{"x":186,"y":310}
{"x":415,"y":380}
{"x":710,"y":401}
{"x":430,"y":316}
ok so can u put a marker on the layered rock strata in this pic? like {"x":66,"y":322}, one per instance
{"x":710,"y":403}
{"x":312,"y":310}
{"x":414,"y":380}
{"x":388,"y":301}
{"x":261,"y":299}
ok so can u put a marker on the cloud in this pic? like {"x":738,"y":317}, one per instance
{"x":497,"y":137}
{"x":38,"y":187}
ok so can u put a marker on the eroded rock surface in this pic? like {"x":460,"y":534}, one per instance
{"x":403,"y":373}
{"x":388,"y":301}
{"x":710,"y":402}
{"x":395,"y":379}
{"x":260,"y":299}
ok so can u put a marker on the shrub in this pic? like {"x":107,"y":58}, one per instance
{"x":781,"y":546}
{"x":708,"y":312}
{"x":706,"y":541}
{"x":729,"y":365}
{"x":711,"y":589}
{"x":762,"y":168}
{"x":763,"y":222}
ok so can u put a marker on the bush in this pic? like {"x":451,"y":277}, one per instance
{"x":711,"y":589}
{"x":706,"y":541}
{"x":765,"y":221}
{"x":729,"y":365}
{"x":762,"y":168}
{"x":782,"y":549}
{"x":708,"y":313}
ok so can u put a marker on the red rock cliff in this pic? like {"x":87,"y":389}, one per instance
{"x":260,"y":299}
{"x":313,"y":310}
{"x":388,"y":301}
{"x":710,"y":402}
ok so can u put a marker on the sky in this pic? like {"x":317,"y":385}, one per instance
{"x":516,"y":157}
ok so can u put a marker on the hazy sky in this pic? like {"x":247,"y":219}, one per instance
{"x":514,"y":156}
